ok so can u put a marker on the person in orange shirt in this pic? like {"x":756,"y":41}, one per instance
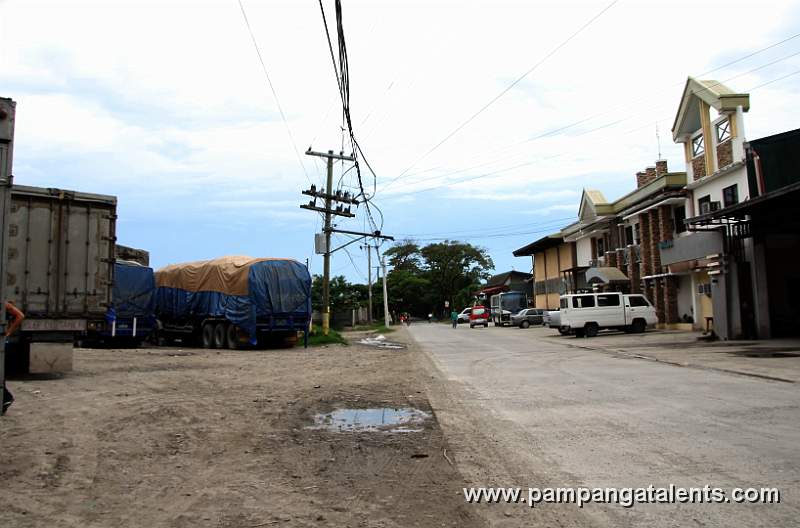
{"x":17,"y":317}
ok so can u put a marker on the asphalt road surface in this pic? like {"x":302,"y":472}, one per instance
{"x":528,"y":408}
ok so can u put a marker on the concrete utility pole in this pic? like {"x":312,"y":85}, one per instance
{"x":327,"y":195}
{"x":387,"y":320}
{"x":369,"y":280}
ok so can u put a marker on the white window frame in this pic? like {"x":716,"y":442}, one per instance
{"x":695,"y":151}
{"x":723,"y":130}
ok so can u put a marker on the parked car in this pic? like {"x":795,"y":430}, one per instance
{"x":528,"y":316}
{"x":479,"y":316}
{"x":463,"y":317}
{"x":585,"y":314}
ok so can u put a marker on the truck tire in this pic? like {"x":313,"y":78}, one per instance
{"x":232,"y":336}
{"x":220,"y":335}
{"x":638,"y":326}
{"x":208,"y":335}
{"x":591,"y":329}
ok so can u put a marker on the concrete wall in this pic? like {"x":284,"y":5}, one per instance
{"x":584,"y":251}
{"x":694,"y":246}
{"x":715,"y":186}
{"x":685,"y":293}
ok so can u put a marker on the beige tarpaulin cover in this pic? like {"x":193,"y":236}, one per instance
{"x":224,"y":274}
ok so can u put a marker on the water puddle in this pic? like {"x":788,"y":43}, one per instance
{"x":381,"y":419}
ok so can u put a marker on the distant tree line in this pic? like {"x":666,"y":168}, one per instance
{"x":420,"y":280}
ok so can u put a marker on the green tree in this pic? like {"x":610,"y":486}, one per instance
{"x":343,"y":295}
{"x":455,"y":269}
{"x":421,"y":279}
{"x":404,"y":256}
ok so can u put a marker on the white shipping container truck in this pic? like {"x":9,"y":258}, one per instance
{"x":60,"y":271}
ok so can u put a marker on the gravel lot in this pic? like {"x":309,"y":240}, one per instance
{"x":190,"y":437}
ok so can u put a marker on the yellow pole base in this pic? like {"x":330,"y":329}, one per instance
{"x":326,"y":323}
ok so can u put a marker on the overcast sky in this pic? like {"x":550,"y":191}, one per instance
{"x":165,"y":105}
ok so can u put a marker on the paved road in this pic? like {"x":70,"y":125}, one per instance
{"x":558,"y":415}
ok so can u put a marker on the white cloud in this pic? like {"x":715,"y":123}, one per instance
{"x":165,"y":103}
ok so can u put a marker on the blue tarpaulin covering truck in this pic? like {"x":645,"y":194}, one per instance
{"x":233,"y":301}
{"x":130,"y":319}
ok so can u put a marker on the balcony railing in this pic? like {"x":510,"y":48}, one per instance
{"x":597,"y":263}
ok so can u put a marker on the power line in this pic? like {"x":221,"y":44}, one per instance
{"x":343,"y":81}
{"x":272,"y":88}
{"x":590,"y":131}
{"x":507,"y":89}
{"x":469,"y":231}
{"x":582,"y":120}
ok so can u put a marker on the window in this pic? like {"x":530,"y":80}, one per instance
{"x":564,"y":302}
{"x":730,"y":195}
{"x":723,"y":131}
{"x":638,"y":300}
{"x":679,"y":214}
{"x":478,"y":311}
{"x":628,"y":235}
{"x":583,"y":301}
{"x":608,"y":300}
{"x":704,"y":200}
{"x":698,"y":145}
{"x":601,"y":250}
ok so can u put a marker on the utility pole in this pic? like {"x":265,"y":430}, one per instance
{"x":369,"y":280}
{"x":387,"y":320}
{"x":329,"y":197}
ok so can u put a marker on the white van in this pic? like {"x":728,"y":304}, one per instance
{"x":584,"y":314}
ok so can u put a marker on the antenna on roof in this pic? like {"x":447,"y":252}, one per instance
{"x":658,"y":140}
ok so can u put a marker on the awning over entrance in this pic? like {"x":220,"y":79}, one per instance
{"x":491,"y":290}
{"x":605,"y":275}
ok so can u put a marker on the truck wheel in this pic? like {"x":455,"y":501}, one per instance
{"x":233,"y":336}
{"x":208,"y":335}
{"x":524,"y":324}
{"x":220,"y":335}
{"x":591,"y":330}
{"x":563,"y":332}
{"x":638,"y":326}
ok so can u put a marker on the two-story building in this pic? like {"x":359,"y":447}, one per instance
{"x":764,"y":294}
{"x":710,"y":126}
{"x":554,"y":269}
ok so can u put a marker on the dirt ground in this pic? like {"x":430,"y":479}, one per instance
{"x":191,"y":438}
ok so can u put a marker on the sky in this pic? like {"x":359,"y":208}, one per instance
{"x":483,"y":120}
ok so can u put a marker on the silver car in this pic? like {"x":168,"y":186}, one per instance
{"x":528,"y":316}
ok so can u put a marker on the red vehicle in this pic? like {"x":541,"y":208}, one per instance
{"x":479,"y":316}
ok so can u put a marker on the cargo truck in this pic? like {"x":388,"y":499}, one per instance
{"x":60,"y":271}
{"x":130,"y":319}
{"x":229,"y":302}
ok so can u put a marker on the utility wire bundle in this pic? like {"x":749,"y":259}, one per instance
{"x":343,"y":80}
